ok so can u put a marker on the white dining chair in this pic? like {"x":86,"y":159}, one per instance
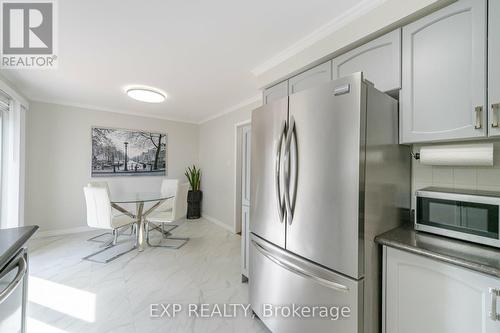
{"x":114,"y":212}
{"x":178,"y":212}
{"x":168,"y":187}
{"x":100,"y":215}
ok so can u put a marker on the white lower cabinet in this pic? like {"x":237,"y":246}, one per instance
{"x":245,"y":235}
{"x":426,"y":295}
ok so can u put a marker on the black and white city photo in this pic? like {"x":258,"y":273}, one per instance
{"x":122,"y":152}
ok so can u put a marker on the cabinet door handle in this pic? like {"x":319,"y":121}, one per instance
{"x":494,"y":114}
{"x":493,"y":313}
{"x":478,"y":110}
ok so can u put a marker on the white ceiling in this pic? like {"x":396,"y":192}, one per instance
{"x":200,"y":52}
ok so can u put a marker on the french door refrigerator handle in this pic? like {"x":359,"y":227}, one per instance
{"x":293,"y":268}
{"x":288,"y":143}
{"x":277,"y":171}
{"x":20,"y":262}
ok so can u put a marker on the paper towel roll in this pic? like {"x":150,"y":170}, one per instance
{"x":458,"y":155}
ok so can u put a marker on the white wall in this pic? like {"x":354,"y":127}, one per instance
{"x":217,"y":162}
{"x":58,"y":160}
{"x":480,"y":178}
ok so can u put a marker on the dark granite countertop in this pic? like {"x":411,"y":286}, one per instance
{"x":12,"y":239}
{"x":483,"y":259}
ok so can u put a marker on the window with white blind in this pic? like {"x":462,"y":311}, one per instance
{"x":6,"y":105}
{"x":5,"y":101}
{"x":13,"y":109}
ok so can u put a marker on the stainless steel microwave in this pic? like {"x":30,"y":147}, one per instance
{"x":464,"y":214}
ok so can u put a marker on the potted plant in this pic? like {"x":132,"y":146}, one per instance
{"x":195,"y":195}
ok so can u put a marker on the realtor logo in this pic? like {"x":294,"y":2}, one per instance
{"x":28,"y":31}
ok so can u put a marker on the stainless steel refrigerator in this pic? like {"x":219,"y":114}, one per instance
{"x":327,"y":176}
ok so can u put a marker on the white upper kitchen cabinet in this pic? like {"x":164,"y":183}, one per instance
{"x":494,"y":67}
{"x":276,"y":92}
{"x":310,"y":78}
{"x":426,"y":295}
{"x":379,"y":60}
{"x":443,"y":95}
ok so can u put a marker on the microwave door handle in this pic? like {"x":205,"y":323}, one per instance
{"x":22,"y":269}
{"x":288,"y":142}
{"x":277,"y":171}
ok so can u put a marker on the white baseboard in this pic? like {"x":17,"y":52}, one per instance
{"x":58,"y":232}
{"x":219,"y":223}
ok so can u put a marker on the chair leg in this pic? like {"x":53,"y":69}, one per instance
{"x":94,"y":239}
{"x":111,"y":243}
{"x":89,"y":257}
{"x":166,"y":235}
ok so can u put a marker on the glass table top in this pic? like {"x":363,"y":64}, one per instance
{"x":131,"y":197}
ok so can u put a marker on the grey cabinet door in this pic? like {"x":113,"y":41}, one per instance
{"x":310,"y":78}
{"x":379,"y":60}
{"x":443,"y":94}
{"x":275,"y":92}
{"x":494,"y":67}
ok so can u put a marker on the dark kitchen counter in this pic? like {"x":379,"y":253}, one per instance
{"x":11,"y":240}
{"x":483,"y":259}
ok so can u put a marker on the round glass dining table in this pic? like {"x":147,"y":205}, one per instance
{"x":139,"y":198}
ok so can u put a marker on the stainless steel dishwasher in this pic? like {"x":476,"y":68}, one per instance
{"x":13,"y":293}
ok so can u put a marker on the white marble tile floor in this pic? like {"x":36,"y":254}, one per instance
{"x":69,"y":295}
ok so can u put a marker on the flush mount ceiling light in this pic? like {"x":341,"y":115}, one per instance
{"x":148,"y":95}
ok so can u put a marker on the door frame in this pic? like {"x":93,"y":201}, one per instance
{"x":237,"y":173}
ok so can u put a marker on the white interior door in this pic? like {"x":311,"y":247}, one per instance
{"x":245,"y":196}
{"x":246,"y":141}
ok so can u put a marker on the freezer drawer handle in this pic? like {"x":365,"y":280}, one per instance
{"x":298,"y":270}
{"x":493,"y":313}
{"x":288,"y":143}
{"x":22,"y":268}
{"x":277,"y":171}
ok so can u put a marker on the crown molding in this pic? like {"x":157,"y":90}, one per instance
{"x":98,"y":108}
{"x":233,"y":108}
{"x":242,"y":104}
{"x":343,"y":19}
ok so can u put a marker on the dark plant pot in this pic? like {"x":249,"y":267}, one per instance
{"x":194,"y":204}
